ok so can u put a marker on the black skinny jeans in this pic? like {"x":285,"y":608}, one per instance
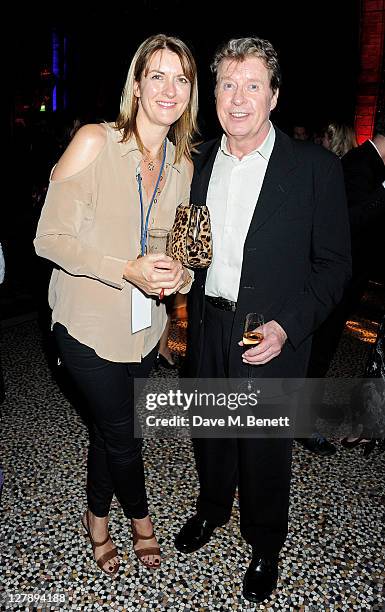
{"x":115,"y":463}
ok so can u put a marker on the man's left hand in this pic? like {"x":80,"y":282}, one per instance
{"x":274,"y":337}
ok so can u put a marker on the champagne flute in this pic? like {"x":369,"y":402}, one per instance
{"x":252,"y":336}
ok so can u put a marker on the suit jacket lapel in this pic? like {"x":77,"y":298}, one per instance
{"x":203,"y":166}
{"x":277,"y":181}
{"x":275,"y":187}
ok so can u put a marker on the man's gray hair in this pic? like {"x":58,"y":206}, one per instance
{"x":240,"y":48}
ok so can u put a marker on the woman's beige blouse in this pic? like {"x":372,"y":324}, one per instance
{"x":90,"y":228}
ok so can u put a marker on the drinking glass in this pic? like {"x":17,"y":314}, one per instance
{"x":158,"y":242}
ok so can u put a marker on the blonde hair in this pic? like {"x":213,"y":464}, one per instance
{"x":183,"y":130}
{"x":341,"y":137}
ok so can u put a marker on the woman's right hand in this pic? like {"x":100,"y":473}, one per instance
{"x":154,"y":272}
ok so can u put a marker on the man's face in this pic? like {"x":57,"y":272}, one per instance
{"x":244,"y":99}
{"x":300,"y":132}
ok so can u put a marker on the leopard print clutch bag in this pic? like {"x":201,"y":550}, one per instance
{"x":190,"y":237}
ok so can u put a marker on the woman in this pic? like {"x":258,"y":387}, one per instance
{"x":339,"y":138}
{"x":112,"y":183}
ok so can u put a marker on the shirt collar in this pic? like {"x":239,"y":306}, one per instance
{"x":264,"y":150}
{"x":128,"y":146}
{"x":131,"y":146}
{"x":372,"y":143}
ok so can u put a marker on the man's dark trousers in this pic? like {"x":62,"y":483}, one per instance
{"x":260,"y":467}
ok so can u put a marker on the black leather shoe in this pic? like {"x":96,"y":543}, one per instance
{"x":261,"y":578}
{"x":318,"y":445}
{"x":346,"y":443}
{"x":194,"y":534}
{"x":367,"y":444}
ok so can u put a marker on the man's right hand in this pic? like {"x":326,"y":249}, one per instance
{"x":274,"y":337}
{"x":154,"y":272}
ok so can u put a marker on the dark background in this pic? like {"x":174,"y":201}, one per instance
{"x":318,"y":44}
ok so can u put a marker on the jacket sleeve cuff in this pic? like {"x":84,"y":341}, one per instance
{"x":294,"y":331}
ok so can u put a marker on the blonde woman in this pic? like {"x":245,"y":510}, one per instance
{"x":339,"y":138}
{"x":110,"y":186}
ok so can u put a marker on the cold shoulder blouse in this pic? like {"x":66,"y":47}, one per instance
{"x":90,"y":227}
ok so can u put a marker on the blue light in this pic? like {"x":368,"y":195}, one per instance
{"x":65,"y":97}
{"x":55,"y":65}
{"x":55,"y":53}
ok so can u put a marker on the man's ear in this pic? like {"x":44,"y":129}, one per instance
{"x":274,"y":100}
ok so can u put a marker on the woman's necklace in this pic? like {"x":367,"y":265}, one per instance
{"x":151,"y":163}
{"x":144,"y":219}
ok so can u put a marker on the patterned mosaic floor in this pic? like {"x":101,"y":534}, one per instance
{"x":333,"y":558}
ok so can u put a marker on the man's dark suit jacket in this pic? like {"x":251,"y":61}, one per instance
{"x":364,"y":173}
{"x":296,"y":257}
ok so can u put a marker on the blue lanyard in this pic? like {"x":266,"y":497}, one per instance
{"x":143,"y":230}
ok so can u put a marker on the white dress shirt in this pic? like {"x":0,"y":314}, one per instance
{"x":233,"y":192}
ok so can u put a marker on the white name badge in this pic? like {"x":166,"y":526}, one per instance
{"x":140,"y":311}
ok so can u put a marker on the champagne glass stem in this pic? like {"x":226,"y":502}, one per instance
{"x":249,"y":377}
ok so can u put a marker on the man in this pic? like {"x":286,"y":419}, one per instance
{"x":364,"y":172}
{"x":281,"y":248}
{"x":364,"y":175}
{"x":300,"y":132}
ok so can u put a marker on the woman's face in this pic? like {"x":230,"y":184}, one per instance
{"x":164,"y":91}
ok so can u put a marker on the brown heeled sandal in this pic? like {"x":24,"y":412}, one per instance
{"x":144,"y":552}
{"x":108,"y":555}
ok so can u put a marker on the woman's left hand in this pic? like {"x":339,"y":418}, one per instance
{"x":155,"y":272}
